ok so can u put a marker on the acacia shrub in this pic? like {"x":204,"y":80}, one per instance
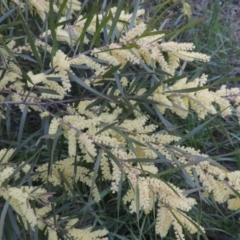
{"x":103,"y":84}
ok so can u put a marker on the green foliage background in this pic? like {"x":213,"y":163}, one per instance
{"x":28,"y":133}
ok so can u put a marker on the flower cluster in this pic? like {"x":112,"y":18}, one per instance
{"x":42,"y":7}
{"x":168,"y":97}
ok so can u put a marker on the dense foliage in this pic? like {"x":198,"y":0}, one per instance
{"x":99,"y":111}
